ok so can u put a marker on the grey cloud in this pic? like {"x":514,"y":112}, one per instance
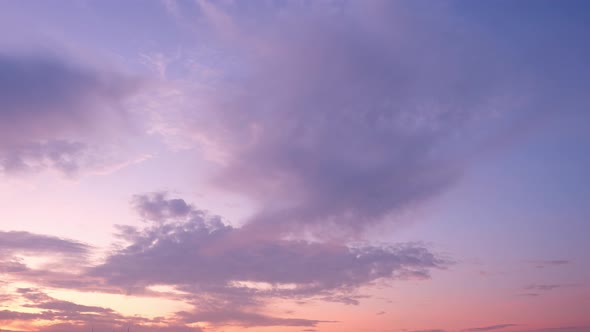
{"x":227,"y":277}
{"x":535,"y":290}
{"x":221,"y":260}
{"x":346,"y":116}
{"x":547,"y":263}
{"x":156,"y":207}
{"x":344,"y":298}
{"x":63,"y":260}
{"x":218,"y":256}
{"x":543,"y":287}
{"x":489,"y":328}
{"x":57,"y":310}
{"x":40,"y":84}
{"x":562,"y":329}
{"x":80,"y":316}
{"x":8,"y":315}
{"x":117,"y":327}
{"x":54,"y":309}
{"x":15,"y":241}
{"x":69,"y":306}
{"x":6,"y":298}
{"x":247,"y":319}
{"x":52,"y":110}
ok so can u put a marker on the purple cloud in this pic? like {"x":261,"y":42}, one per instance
{"x":53,"y":111}
{"x":157,"y":206}
{"x":225,"y":275}
{"x":548,"y":263}
{"x":563,"y":329}
{"x":117,"y":327}
{"x":58,"y":251}
{"x":489,"y":328}
{"x":341,"y":118}
{"x":217,"y":267}
{"x":245,"y":319}
{"x":42,"y":301}
{"x":543,"y":287}
{"x":70,"y":316}
{"x":216,"y":260}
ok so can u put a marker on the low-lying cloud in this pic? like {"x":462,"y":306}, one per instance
{"x":227,"y":277}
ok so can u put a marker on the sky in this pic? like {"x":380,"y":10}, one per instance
{"x":283,"y":166}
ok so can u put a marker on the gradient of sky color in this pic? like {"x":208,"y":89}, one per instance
{"x":329,"y":166}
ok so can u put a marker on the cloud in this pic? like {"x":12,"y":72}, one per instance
{"x":563,"y":329}
{"x":14,"y":241}
{"x":331,"y":117}
{"x":543,"y":287}
{"x":117,"y":327}
{"x":336,"y":117}
{"x":55,"y":113}
{"x":489,"y":328}
{"x":534,"y":289}
{"x":226,"y":276}
{"x":46,"y":260}
{"x":157,"y":206}
{"x":58,"y":253}
{"x":42,"y":301}
{"x":548,"y":263}
{"x":163,"y":245}
{"x":246,"y":319}
{"x":70,"y":316}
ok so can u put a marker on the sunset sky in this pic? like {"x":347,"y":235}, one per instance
{"x":294,"y":166}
